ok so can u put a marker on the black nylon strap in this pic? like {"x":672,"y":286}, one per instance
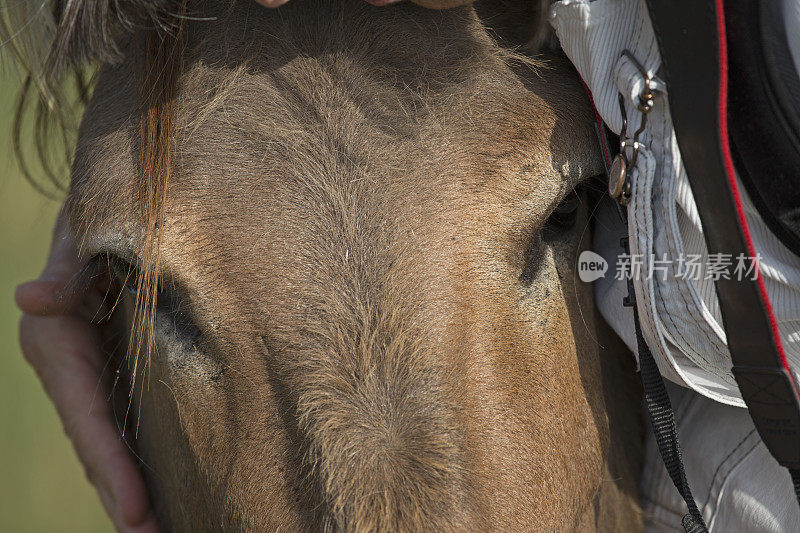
{"x":662,"y":420}
{"x":796,"y":482}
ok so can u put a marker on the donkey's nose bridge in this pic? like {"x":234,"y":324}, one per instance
{"x":373,"y":410}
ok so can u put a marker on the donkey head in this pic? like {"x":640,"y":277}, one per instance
{"x":366,"y":313}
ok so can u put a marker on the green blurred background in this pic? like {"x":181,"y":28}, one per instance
{"x":42,"y":485}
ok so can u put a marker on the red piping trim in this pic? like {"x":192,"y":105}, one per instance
{"x":599,"y":120}
{"x":722,"y":110}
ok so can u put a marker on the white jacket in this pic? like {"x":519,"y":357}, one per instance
{"x":736,"y":482}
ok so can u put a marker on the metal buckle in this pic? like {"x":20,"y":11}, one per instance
{"x":619,"y":182}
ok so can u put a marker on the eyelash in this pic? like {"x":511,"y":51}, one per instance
{"x":126,"y":273}
{"x":563,"y":217}
{"x":167,"y":301}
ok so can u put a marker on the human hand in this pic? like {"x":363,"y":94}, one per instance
{"x":432,"y":4}
{"x":60,"y":342}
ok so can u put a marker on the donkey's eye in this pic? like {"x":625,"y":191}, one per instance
{"x":168,"y":301}
{"x":563,"y":217}
{"x":127,"y":274}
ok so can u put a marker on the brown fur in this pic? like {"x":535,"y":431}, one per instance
{"x":366,"y":329}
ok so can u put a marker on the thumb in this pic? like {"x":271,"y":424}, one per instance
{"x":441,"y":4}
{"x":48,"y":295}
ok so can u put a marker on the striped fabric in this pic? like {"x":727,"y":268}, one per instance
{"x":738,"y":486}
{"x":680,"y":315}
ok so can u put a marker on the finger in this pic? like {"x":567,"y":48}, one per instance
{"x":272,"y":3}
{"x":46,"y":296}
{"x":149,"y":525}
{"x":63,"y":262}
{"x":442,"y":4}
{"x":64,"y":352}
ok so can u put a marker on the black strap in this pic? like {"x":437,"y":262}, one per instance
{"x":662,"y":418}
{"x":796,"y":482}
